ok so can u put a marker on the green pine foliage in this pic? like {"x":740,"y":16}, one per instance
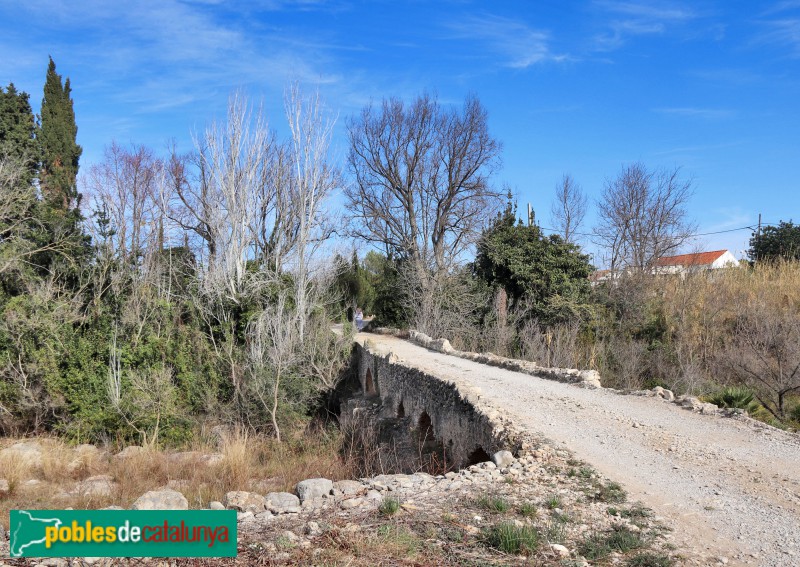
{"x":547,"y":274}
{"x":57,"y":138}
{"x":773,"y":243}
{"x":18,"y":132}
{"x":63,"y":246}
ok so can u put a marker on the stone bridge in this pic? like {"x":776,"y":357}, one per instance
{"x":419,"y":421}
{"x":701,"y":467}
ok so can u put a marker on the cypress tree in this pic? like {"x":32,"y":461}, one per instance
{"x":64,"y":245}
{"x":57,"y":139}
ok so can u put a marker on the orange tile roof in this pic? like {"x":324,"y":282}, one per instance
{"x":698,"y":259}
{"x":598,"y":275}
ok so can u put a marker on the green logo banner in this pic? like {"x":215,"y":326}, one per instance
{"x":123,"y":533}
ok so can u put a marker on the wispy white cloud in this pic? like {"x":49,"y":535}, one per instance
{"x":170,"y":53}
{"x":649,"y":11}
{"x":730,"y":76}
{"x":693,"y":150}
{"x":629,"y":19}
{"x":519,"y":45}
{"x":782,"y":6}
{"x":784,"y":32}
{"x":695,"y":112}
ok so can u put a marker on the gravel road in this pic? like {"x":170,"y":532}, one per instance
{"x":729,"y":488}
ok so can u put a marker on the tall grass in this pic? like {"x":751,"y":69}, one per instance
{"x":249,"y":462}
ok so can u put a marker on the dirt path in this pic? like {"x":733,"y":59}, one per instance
{"x":729,"y":488}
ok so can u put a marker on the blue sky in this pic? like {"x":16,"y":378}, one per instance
{"x":582,"y":88}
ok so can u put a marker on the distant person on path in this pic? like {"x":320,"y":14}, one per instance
{"x":359,"y":319}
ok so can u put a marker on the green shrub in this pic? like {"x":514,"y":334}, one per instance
{"x":600,"y":545}
{"x":389,"y":506}
{"x":649,"y":560}
{"x":493,"y":503}
{"x":510,"y":538}
{"x":553,"y":501}
{"x":734,"y":397}
{"x":610,"y":492}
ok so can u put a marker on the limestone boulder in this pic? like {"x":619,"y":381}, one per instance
{"x":314,"y":488}
{"x":27,"y":453}
{"x":85,"y":456}
{"x":349,"y":487}
{"x":244,"y":501}
{"x":503,"y":458}
{"x":664,"y":394}
{"x":282,"y":503}
{"x":98,"y":485}
{"x":130,"y":451}
{"x":161,"y":500}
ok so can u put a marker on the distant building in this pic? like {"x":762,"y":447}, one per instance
{"x":699,"y":261}
{"x":600,"y":276}
{"x":681,"y":264}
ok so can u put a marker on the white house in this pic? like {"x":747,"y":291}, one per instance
{"x":681,"y":264}
{"x":699,"y":261}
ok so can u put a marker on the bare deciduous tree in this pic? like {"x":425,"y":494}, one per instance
{"x":421,"y":187}
{"x":233,"y":167}
{"x":21,"y":227}
{"x":274,"y":337}
{"x":568,"y":209}
{"x":764,"y":353}
{"x":124,"y":183}
{"x":642,"y":216}
{"x":313,"y":179}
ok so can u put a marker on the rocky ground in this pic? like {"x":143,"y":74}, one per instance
{"x":728,"y":485}
{"x":543,"y":508}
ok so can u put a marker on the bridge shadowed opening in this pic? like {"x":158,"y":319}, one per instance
{"x":478,"y":456}
{"x":369,"y":385}
{"x":401,"y":410}
{"x":425,"y":427}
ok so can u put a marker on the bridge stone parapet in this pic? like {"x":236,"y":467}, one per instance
{"x":587,"y":378}
{"x":419,"y":421}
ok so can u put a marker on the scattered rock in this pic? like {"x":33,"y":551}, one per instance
{"x":664,"y":393}
{"x":503,"y":458}
{"x":314,"y":488}
{"x":349,"y":487}
{"x":98,"y":485}
{"x":5,"y":488}
{"x":282,"y":503}
{"x":130,"y":451}
{"x":313,"y":529}
{"x":85,"y":456}
{"x":351,"y":503}
{"x":441,"y":345}
{"x":27,"y":453}
{"x":161,"y":500}
{"x":244,"y":501}
{"x":214,"y":505}
{"x":212,"y":459}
